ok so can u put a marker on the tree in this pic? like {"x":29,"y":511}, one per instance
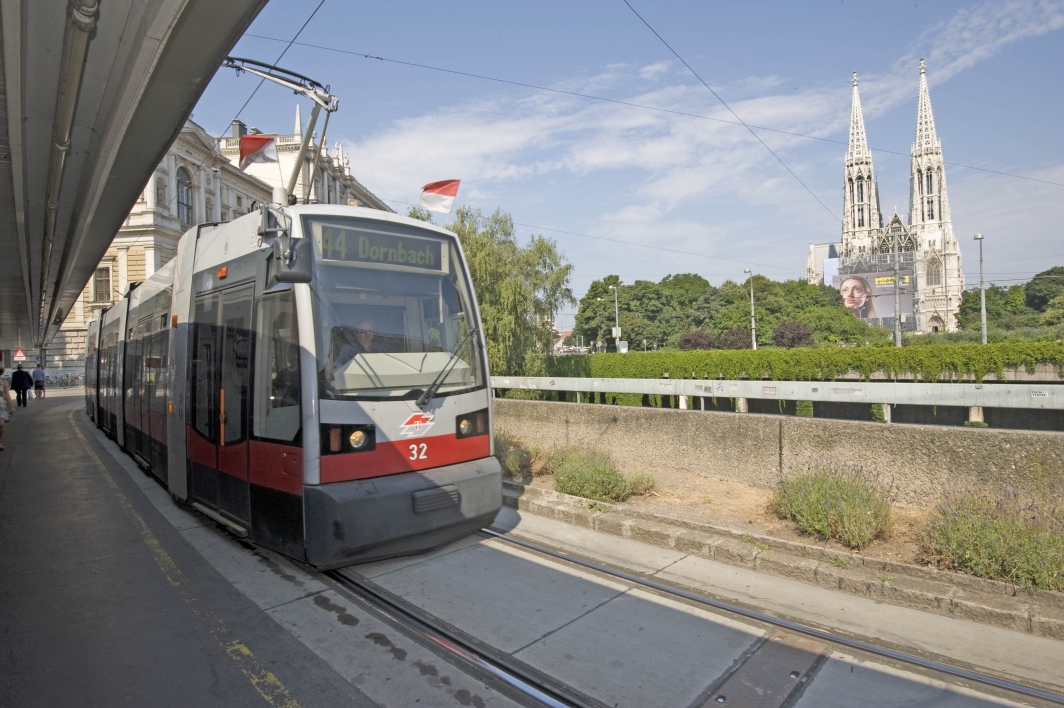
{"x":792,"y":334}
{"x":834,"y":325}
{"x":518,"y":288}
{"x":1054,"y":313}
{"x":697,"y":339}
{"x":419,"y":214}
{"x":1044,"y":287}
{"x":737,"y":338}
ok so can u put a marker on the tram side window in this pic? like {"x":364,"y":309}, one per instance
{"x":277,"y":384}
{"x":203,"y":367}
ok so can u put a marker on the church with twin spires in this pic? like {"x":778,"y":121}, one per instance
{"x":926,"y":244}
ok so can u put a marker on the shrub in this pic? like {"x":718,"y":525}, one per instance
{"x":587,"y":473}
{"x":845,"y":504}
{"x":792,"y":334}
{"x":737,"y":338}
{"x":641,"y":484}
{"x":803,"y":409}
{"x":878,"y":414}
{"x":975,"y":424}
{"x":1003,"y":537}
{"x":518,"y":462}
{"x":697,"y":339}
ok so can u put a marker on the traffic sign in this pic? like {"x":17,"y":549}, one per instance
{"x":19,"y":355}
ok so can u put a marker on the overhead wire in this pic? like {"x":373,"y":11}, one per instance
{"x":631,"y":104}
{"x":633,"y":243}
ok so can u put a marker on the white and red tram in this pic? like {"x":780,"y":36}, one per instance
{"x":311,"y":377}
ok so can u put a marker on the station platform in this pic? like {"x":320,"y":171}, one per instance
{"x":104,"y":602}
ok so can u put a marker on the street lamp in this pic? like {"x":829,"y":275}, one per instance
{"x":753,"y":322}
{"x":616,"y":319}
{"x":982,"y":290}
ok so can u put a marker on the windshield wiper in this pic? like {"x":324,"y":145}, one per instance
{"x":430,"y":392}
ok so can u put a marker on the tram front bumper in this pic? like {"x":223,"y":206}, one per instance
{"x":401,"y":514}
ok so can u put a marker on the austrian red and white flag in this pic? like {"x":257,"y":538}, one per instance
{"x":439,"y":196}
{"x":257,"y":148}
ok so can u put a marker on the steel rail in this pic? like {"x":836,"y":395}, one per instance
{"x":785,"y":624}
{"x":511,"y":676}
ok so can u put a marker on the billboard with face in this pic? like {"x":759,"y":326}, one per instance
{"x":870,"y":296}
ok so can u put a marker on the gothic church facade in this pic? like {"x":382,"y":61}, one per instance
{"x":926,"y":243}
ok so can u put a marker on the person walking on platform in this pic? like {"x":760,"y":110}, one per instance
{"x":39,"y":376}
{"x":22,"y":382}
{"x":7,"y":409}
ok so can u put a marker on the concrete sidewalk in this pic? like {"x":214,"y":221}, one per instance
{"x":103,"y":603}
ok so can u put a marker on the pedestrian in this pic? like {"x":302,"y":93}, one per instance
{"x":39,"y":376}
{"x":22,"y":382}
{"x":6,"y":408}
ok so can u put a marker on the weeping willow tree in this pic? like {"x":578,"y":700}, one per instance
{"x":518,"y":287}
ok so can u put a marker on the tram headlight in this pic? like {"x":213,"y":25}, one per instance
{"x":358,"y":439}
{"x":469,"y":425}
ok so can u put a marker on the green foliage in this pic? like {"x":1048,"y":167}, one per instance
{"x":1004,"y":538}
{"x":846,"y":505}
{"x":661,"y":312}
{"x":587,"y":473}
{"x":975,"y":424}
{"x":945,"y":362}
{"x":1005,"y":309}
{"x":835,"y":325}
{"x":419,"y":214}
{"x":878,"y":415}
{"x":642,"y":483}
{"x":518,"y":288}
{"x":803,"y":409}
{"x":1054,"y":312}
{"x":1043,"y":287}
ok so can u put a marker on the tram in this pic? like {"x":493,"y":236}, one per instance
{"x":311,"y":377}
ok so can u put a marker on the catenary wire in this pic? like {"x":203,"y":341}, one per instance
{"x":723,"y":103}
{"x":631,"y":243}
{"x":257,"y":87}
{"x":631,"y":104}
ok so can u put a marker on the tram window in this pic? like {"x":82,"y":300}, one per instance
{"x":277,"y":384}
{"x":392,"y":306}
{"x":203,"y":366}
{"x":236,"y":312}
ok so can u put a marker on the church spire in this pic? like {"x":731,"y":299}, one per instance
{"x":861,"y":214}
{"x":858,"y":141}
{"x":926,"y":139}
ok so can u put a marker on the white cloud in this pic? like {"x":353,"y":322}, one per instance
{"x":663,"y":166}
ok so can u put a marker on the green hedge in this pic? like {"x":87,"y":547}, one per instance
{"x":815,"y":364}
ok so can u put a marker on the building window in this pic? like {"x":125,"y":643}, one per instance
{"x":920,"y":180}
{"x":160,"y":193}
{"x":209,"y":208}
{"x":930,"y":208}
{"x":101,"y":285}
{"x":224,"y":215}
{"x":185,"y":212}
{"x":930,"y":184}
{"x":239,"y":202}
{"x":860,"y":210}
{"x":860,"y":191}
{"x":934,"y":272}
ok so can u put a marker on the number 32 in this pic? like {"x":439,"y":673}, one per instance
{"x":418,"y":452}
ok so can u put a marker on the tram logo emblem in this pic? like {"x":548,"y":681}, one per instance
{"x":416,"y":425}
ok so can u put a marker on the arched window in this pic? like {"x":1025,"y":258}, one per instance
{"x":860,"y":213}
{"x":933,"y":271}
{"x":920,"y":180}
{"x":184,"y":197}
{"x":853,"y":215}
{"x":930,"y":208}
{"x":860,"y":191}
{"x":930,"y":183}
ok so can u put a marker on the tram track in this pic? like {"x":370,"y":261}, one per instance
{"x":529,"y":682}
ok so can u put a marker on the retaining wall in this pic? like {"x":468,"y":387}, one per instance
{"x":924,"y":461}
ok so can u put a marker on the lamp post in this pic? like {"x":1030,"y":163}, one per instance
{"x":982,"y":290}
{"x":616,"y":319}
{"x":753,"y":322}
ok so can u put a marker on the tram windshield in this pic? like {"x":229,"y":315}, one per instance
{"x":393,"y":308}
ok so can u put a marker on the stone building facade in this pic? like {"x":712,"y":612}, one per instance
{"x":926,"y":243}
{"x":197,"y":181}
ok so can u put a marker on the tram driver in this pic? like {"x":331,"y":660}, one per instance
{"x":363,"y":344}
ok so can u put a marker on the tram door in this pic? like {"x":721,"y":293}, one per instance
{"x":219,"y":377}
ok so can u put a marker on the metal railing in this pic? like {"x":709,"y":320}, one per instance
{"x":990,"y":395}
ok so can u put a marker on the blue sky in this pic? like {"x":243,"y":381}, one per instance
{"x":664,"y":180}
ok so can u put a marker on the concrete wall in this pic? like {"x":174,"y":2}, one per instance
{"x":760,"y":449}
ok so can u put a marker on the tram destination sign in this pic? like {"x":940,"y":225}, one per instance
{"x":340,"y":244}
